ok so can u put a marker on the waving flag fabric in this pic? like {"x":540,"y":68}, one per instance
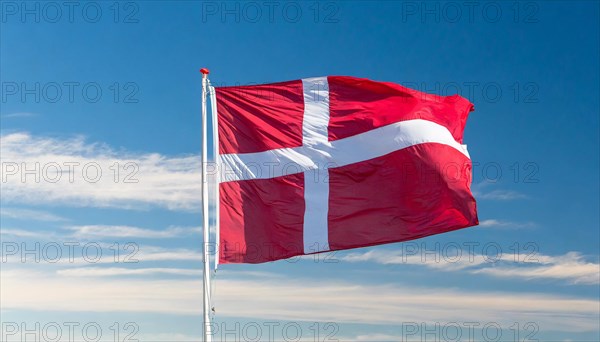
{"x":332,"y":163}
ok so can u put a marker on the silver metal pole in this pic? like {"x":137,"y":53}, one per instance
{"x":205,"y":215}
{"x":217,"y":178}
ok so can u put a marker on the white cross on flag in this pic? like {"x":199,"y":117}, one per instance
{"x":332,"y":163}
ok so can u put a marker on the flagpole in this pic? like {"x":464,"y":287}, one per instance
{"x":217,"y":178}
{"x":205,"y":228}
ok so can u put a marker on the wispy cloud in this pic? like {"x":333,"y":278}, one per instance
{"x":501,"y":195}
{"x":121,"y":271}
{"x":30,"y":214}
{"x":506,"y":224}
{"x":76,"y":172}
{"x":22,"y":233}
{"x":571,"y":267}
{"x":276,"y":298}
{"x":18,"y":115}
{"x":152,"y":253}
{"x":384,"y":337}
{"x":481,"y":191}
{"x":105,"y":231}
{"x":179,"y":337}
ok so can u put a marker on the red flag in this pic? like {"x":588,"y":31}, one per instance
{"x":332,"y":163}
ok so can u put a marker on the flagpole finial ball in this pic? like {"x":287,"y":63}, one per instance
{"x":204,"y":71}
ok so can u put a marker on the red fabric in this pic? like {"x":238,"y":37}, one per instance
{"x":260,"y":118}
{"x":358,"y":105}
{"x":410,"y":193}
{"x":261,"y":220}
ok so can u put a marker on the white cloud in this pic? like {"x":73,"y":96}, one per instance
{"x":570,"y":267}
{"x":502,"y":195}
{"x":22,"y":233}
{"x":104,"y":231}
{"x":385,"y":337}
{"x":121,"y":271}
{"x":75,"y":172}
{"x":168,"y":337}
{"x":455,"y":262}
{"x":506,"y":224}
{"x":297,"y":299}
{"x":30,"y":214}
{"x":479,"y":191}
{"x":148,"y":253}
{"x":18,"y":115}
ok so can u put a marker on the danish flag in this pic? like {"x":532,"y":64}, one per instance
{"x":333,"y":163}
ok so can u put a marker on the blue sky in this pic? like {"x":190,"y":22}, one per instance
{"x":530,"y":68}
